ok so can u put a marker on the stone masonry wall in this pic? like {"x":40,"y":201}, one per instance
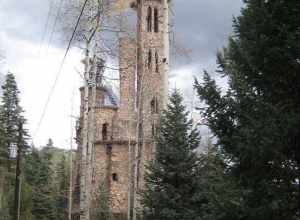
{"x":127,"y":63}
{"x":119,"y":159}
{"x":152,"y":70}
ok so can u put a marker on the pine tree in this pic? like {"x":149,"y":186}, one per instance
{"x":219,"y":196}
{"x":10,"y":116}
{"x":3,"y":149}
{"x":26,"y":201}
{"x":3,"y":165}
{"x":39,"y":176}
{"x":257,"y":122}
{"x":32,"y":177}
{"x":10,"y":119}
{"x":62,"y":189}
{"x":170,"y":185}
{"x":47,"y":177}
{"x":49,"y":144}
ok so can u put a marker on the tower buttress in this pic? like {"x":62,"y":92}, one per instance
{"x":127,"y":65}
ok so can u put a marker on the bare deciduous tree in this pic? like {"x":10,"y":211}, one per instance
{"x":102,"y":24}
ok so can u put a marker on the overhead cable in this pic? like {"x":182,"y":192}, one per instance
{"x":59,"y":72}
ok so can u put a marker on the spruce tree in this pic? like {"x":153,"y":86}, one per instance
{"x":257,"y":122}
{"x":3,"y":170}
{"x":39,"y":176}
{"x":10,"y":117}
{"x":3,"y":149}
{"x":219,"y":196}
{"x":170,"y":183}
{"x":61,"y":197}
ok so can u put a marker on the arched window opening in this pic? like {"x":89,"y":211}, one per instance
{"x":156,"y":63}
{"x":154,"y":106}
{"x":149,"y":59}
{"x":115,"y":177}
{"x":149,"y":19}
{"x":108,"y":149}
{"x":91,"y":75}
{"x":153,"y":130}
{"x":93,"y":175}
{"x":156,"y":29}
{"x":104,"y":131}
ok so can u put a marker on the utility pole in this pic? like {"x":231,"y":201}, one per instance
{"x":71,"y":166}
{"x":18,"y":173}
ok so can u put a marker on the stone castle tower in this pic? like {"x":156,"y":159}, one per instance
{"x":124,"y":129}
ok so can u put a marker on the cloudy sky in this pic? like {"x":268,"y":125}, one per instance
{"x":199,"y":26}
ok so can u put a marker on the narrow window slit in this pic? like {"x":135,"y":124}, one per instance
{"x":156,"y":29}
{"x":156,"y":62}
{"x":149,"y":20}
{"x":115,"y":177}
{"x":104,"y":131}
{"x":149,"y":59}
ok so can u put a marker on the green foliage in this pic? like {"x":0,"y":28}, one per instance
{"x":170,"y":186}
{"x":10,"y":120}
{"x":26,"y":201}
{"x":62,"y":188}
{"x":6,"y":194}
{"x":3,"y":148}
{"x":46,"y":172}
{"x":38,"y":173}
{"x":10,"y":116}
{"x":257,"y":121}
{"x":219,"y":196}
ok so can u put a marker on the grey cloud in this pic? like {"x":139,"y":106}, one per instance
{"x":200,"y":25}
{"x":24,"y":20}
{"x":204,"y":25}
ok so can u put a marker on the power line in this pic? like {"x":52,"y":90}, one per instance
{"x":54,"y":25}
{"x":59,"y":72}
{"x":46,"y":27}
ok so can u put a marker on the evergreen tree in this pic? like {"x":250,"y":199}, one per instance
{"x":257,"y":122}
{"x":3,"y":165}
{"x":39,"y":176}
{"x":32,"y":177}
{"x":50,"y":143}
{"x":26,"y":201}
{"x":219,"y":196}
{"x":170,"y":186}
{"x":47,"y":177}
{"x":3,"y":149}
{"x":61,"y":198}
{"x":10,"y":119}
{"x":10,"y":116}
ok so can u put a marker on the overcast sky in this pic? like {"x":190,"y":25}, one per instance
{"x":200,"y":26}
